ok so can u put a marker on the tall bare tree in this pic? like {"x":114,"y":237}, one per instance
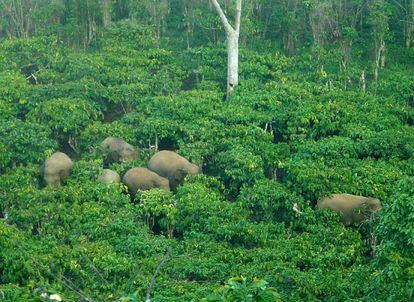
{"x":18,"y":15}
{"x":106,"y":14}
{"x":409,"y":22}
{"x":232,"y":36}
{"x":379,"y":26}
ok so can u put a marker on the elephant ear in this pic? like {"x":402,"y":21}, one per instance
{"x":63,"y":173}
{"x":110,"y":157}
{"x":365,"y":210}
{"x":179,"y":175}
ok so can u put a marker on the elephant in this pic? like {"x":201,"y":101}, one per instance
{"x":57,"y":168}
{"x":109,"y":176}
{"x":354,"y":209}
{"x":144,"y":179}
{"x":172,"y":166}
{"x":118,"y":150}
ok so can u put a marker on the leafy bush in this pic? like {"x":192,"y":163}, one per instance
{"x":5,"y":156}
{"x":27,"y":142}
{"x":394,"y":263}
{"x":271,"y":202}
{"x":237,"y":167}
{"x":158,"y":209}
{"x":202,"y":213}
{"x":65,"y":116}
{"x":13,"y":93}
{"x":238,"y":289}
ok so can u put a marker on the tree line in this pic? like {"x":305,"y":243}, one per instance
{"x":290,"y":24}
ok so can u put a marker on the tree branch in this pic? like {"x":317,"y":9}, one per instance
{"x":157,"y":271}
{"x":222,"y":16}
{"x":238,"y":15}
{"x":400,"y":5}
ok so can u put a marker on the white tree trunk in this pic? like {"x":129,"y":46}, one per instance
{"x":232,"y":35}
{"x":232,"y":62}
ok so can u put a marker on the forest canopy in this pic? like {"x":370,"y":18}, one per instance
{"x":324,"y":105}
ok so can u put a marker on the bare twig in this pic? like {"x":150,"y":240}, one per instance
{"x":406,"y":21}
{"x":156,"y":272}
{"x":400,"y":5}
{"x":33,"y":77}
{"x":137,"y":272}
{"x":92,"y":265}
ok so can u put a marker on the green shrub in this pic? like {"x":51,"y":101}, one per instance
{"x":239,"y":289}
{"x":27,"y":142}
{"x":65,"y":116}
{"x":202,"y":212}
{"x":270,"y":201}
{"x":394,"y":265}
{"x":236,"y":167}
{"x":5,"y":156}
{"x":13,"y":93}
{"x":157,"y":207}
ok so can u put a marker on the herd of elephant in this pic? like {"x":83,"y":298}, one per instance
{"x":167,"y":170}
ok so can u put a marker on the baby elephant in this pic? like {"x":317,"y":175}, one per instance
{"x":354,"y":209}
{"x":172,"y":166}
{"x":109,"y":176}
{"x":144,"y":179}
{"x":118,"y":150}
{"x":57,"y":168}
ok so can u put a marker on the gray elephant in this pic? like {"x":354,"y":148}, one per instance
{"x":109,"y":176}
{"x":354,"y":209}
{"x":172,"y":166}
{"x":117,"y":150}
{"x":144,"y":179}
{"x":56,"y":168}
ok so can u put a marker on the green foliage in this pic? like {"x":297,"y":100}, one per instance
{"x":296,"y":129}
{"x":271,"y":201}
{"x":7,"y":110}
{"x":34,"y":54}
{"x":5,"y":156}
{"x":13,"y":93}
{"x":238,"y":166}
{"x":202,"y":213}
{"x":158,"y":209}
{"x":27,"y":142}
{"x":65,"y":116}
{"x":12,"y":292}
{"x":394,"y":264}
{"x":130,"y":35}
{"x":85,"y":171}
{"x":239,"y":289}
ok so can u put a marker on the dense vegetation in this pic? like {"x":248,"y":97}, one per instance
{"x":324,"y":105}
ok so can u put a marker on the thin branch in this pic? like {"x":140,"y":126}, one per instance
{"x":406,"y":21}
{"x":96,"y":270}
{"x":222,"y":16}
{"x":157,"y":271}
{"x":137,"y":273}
{"x":400,"y":5}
